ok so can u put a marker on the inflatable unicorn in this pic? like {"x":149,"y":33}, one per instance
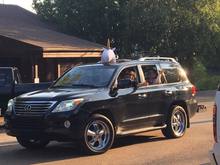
{"x":108,"y":56}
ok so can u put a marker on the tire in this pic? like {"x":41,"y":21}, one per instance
{"x":98,"y":135}
{"x":176,"y":123}
{"x":32,"y":143}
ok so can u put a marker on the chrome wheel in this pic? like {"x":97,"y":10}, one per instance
{"x":178,"y":122}
{"x":97,"y":135}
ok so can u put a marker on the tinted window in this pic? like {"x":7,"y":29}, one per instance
{"x":148,"y":68}
{"x":171,"y":75}
{"x":173,"y":72}
{"x":174,"y":75}
{"x":94,"y":76}
{"x":130,"y":72}
{"x":151,"y":74}
{"x":5,"y":77}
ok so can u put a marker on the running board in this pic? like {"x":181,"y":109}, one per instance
{"x":121,"y":133}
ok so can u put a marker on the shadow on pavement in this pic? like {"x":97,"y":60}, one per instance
{"x":12,"y":153}
{"x":136,"y":139}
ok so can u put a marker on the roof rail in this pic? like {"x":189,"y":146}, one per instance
{"x":158,"y":58}
{"x":119,"y":61}
{"x":123,"y":60}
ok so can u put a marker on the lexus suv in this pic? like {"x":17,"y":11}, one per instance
{"x":215,"y":154}
{"x":94,"y":104}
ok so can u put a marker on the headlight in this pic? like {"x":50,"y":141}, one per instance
{"x":10,"y":106}
{"x":68,"y":105}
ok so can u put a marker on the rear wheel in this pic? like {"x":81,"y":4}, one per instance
{"x":176,"y":123}
{"x":98,"y":135}
{"x":32,"y":143}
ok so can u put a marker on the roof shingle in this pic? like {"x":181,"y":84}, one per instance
{"x":20,"y":24}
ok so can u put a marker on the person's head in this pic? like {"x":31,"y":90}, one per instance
{"x":152,"y":74}
{"x":132,"y":75}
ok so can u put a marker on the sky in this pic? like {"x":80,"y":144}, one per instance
{"x":23,"y":3}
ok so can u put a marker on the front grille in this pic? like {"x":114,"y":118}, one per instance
{"x":32,"y":108}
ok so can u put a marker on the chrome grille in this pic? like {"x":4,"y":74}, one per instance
{"x":32,"y":108}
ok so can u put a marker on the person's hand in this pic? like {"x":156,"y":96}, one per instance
{"x":143,"y":84}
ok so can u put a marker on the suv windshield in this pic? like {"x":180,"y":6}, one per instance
{"x":86,"y":76}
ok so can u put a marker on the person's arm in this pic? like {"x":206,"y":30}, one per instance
{"x":145,"y":83}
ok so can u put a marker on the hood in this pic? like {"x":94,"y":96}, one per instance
{"x":58,"y":94}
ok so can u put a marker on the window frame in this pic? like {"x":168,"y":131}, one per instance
{"x":143,"y":77}
{"x":179,"y":69}
{"x":118,"y":72}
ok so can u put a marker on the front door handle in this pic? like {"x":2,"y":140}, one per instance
{"x":168,"y":93}
{"x":142,"y":95}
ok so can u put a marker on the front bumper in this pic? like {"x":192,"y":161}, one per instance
{"x":50,"y":126}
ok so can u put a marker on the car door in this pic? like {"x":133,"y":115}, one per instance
{"x":175,"y":86}
{"x":132,"y":99}
{"x":157,"y":99}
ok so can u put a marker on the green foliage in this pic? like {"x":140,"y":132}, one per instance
{"x":183,"y":28}
{"x":208,"y":83}
{"x":202,"y":79}
{"x":186,"y":29}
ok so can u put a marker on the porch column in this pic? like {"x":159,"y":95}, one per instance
{"x":58,"y":71}
{"x":36,"y":77}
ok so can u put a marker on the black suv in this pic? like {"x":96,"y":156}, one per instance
{"x":95,"y":103}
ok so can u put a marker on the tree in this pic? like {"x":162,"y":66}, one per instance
{"x":188,"y":29}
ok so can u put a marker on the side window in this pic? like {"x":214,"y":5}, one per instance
{"x":174,"y":75}
{"x":151,"y":74}
{"x":5,"y":77}
{"x":129,"y":73}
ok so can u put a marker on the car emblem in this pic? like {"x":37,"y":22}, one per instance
{"x":27,"y":108}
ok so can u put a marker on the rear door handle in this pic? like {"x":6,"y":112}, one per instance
{"x":168,"y":93}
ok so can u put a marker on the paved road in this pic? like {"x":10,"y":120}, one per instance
{"x":145,"y":148}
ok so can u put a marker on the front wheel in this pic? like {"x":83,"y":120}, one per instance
{"x":176,"y":123}
{"x":98,"y":135}
{"x":32,"y":143}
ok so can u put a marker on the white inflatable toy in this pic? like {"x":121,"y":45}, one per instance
{"x":108,"y":56}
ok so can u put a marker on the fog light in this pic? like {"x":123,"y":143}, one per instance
{"x":67,"y":124}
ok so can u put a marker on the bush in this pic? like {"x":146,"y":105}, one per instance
{"x":202,"y":79}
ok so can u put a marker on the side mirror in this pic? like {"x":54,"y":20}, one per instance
{"x":126,"y":83}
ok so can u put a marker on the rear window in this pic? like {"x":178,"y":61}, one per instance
{"x":174,"y":74}
{"x":5,"y":77}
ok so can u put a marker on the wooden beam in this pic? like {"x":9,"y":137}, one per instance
{"x":70,"y":54}
{"x":72,"y":49}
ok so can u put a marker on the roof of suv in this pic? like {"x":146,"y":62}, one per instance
{"x":144,"y":60}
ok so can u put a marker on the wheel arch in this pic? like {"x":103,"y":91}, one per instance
{"x":107,"y":113}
